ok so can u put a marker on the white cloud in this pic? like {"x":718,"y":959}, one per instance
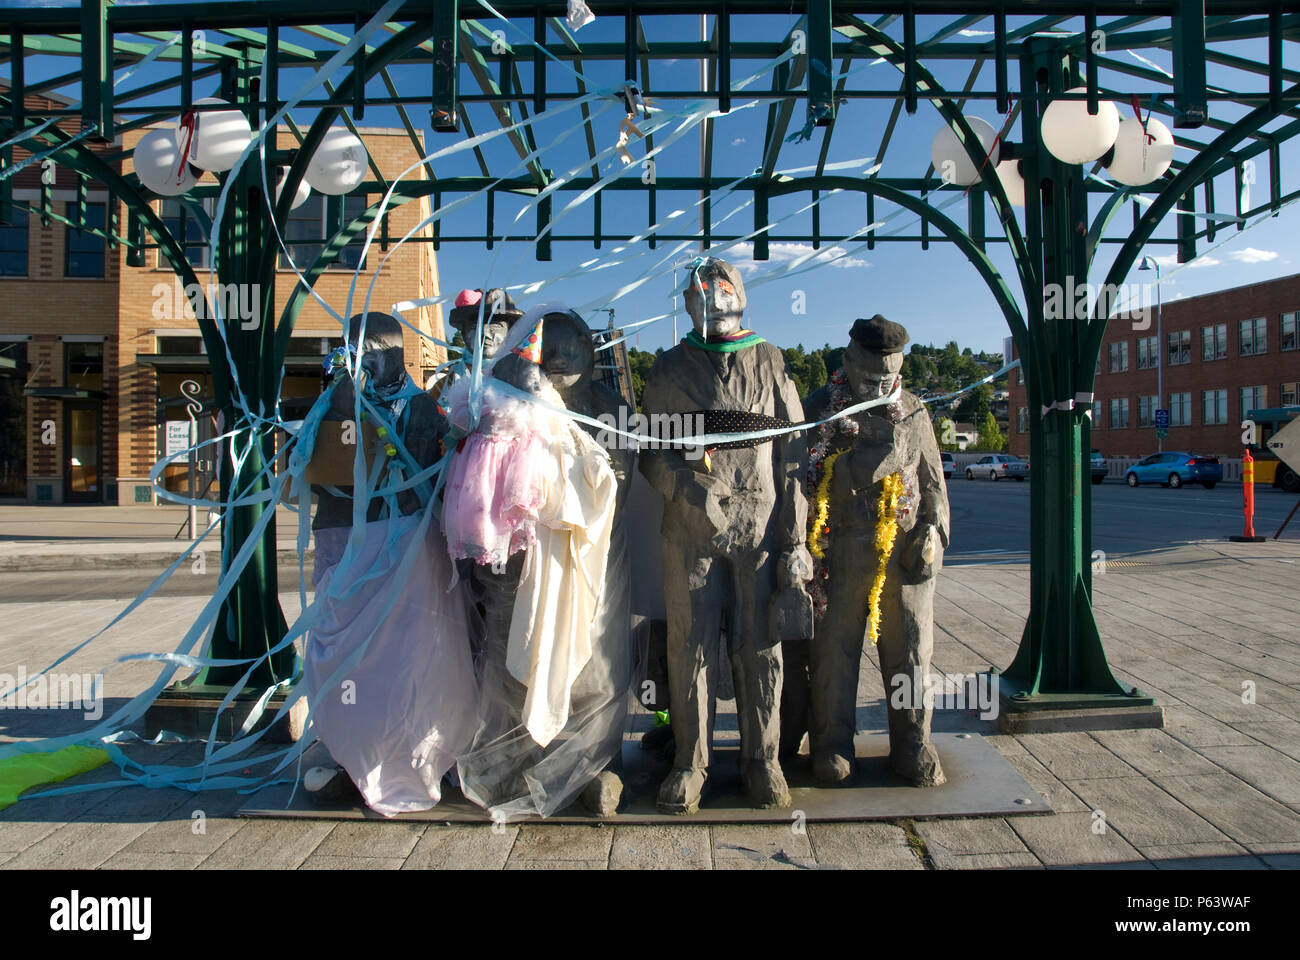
{"x":1253,"y":255}
{"x":782,"y":253}
{"x":738,"y":141}
{"x":1170,"y":260}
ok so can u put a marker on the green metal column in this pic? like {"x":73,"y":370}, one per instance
{"x":250,"y":622}
{"x":1061,"y":663}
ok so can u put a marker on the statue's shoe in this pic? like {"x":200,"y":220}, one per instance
{"x":661,"y":740}
{"x":831,"y":766}
{"x":765,"y":784}
{"x":918,"y":764}
{"x":680,"y":791}
{"x":602,"y":795}
{"x":332,"y":786}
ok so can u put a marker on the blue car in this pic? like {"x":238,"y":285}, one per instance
{"x":1173,"y":469}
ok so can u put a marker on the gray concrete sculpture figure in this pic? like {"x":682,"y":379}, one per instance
{"x":421,"y":429}
{"x":896,"y":438}
{"x":499,"y":315}
{"x":600,"y":692}
{"x":733,"y":536}
{"x":506,"y":768}
{"x":420,"y":425}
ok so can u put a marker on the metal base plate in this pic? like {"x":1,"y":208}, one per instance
{"x":980,"y":783}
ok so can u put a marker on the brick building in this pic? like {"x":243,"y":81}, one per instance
{"x":1224,"y":353}
{"x":93,"y":351}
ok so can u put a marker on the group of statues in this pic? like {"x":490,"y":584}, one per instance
{"x":507,"y":659}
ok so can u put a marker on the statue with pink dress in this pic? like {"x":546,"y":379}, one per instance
{"x":531,"y":498}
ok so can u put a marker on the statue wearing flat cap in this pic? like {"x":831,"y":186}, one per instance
{"x":878,"y":517}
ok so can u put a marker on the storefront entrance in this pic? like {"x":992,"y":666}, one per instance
{"x":82,"y":452}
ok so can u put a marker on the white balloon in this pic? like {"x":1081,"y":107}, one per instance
{"x":299,"y":198}
{"x":1012,"y":182}
{"x":219,"y":137}
{"x":156,"y":157}
{"x":1072,"y":135}
{"x":339,"y":163}
{"x":1141,"y":157}
{"x":949,"y":156}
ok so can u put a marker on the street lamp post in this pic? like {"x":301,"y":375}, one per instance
{"x":1149,"y":263}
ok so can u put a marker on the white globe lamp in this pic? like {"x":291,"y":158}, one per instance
{"x":1141,"y":156}
{"x":220,"y":136}
{"x":1072,"y":135}
{"x":1012,"y":182}
{"x":339,"y":164}
{"x":949,"y":155}
{"x":300,"y":197}
{"x":156,"y":157}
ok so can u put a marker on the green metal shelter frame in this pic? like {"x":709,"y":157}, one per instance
{"x":1036,"y":51}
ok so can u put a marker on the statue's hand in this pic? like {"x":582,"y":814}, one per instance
{"x":923,"y":554}
{"x":796,"y":567}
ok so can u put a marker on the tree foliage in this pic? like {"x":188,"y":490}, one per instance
{"x":927,"y":369}
{"x":990,"y":439}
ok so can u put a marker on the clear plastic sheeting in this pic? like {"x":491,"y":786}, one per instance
{"x":506,"y":771}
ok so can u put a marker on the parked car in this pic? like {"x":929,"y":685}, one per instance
{"x":1173,"y":469}
{"x":1099,"y":467}
{"x":995,"y":466}
{"x":948,"y":465}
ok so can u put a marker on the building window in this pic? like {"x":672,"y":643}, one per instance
{"x":84,"y":252}
{"x":1289,"y":394}
{"x":1254,"y":337}
{"x":1119,"y":357}
{"x":1119,"y":413}
{"x":1289,"y":339}
{"x":1096,"y":414}
{"x":1147,"y":410}
{"x":13,"y":245}
{"x":1180,"y":409}
{"x":1253,"y":398}
{"x":1022,"y":419}
{"x":310,"y":223}
{"x":1148,"y":353}
{"x":180,"y":346}
{"x":1214,"y":407}
{"x":186,"y":227}
{"x":1180,"y":347}
{"x":83,"y":365}
{"x":1214,"y":342}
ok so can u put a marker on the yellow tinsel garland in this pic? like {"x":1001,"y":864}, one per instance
{"x":823,"y":507}
{"x":891,"y":490}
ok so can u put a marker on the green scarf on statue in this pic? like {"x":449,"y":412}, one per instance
{"x":729,"y":344}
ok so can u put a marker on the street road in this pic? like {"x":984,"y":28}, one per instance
{"x":990,"y":524}
{"x":990,"y":521}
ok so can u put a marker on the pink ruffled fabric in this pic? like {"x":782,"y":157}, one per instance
{"x":494,"y":485}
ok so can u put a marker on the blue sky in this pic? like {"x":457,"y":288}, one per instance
{"x":935,"y":293}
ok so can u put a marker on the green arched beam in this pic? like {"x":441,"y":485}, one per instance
{"x":884,"y":46}
{"x":1191,"y":176}
{"x":333,"y":248}
{"x":375,"y":61}
{"x":138,"y":200}
{"x":962,"y":240}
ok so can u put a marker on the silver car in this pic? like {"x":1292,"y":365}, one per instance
{"x":995,"y":466}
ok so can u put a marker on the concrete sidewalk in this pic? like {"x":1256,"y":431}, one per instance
{"x":1212,"y":630}
{"x":85,"y":538}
